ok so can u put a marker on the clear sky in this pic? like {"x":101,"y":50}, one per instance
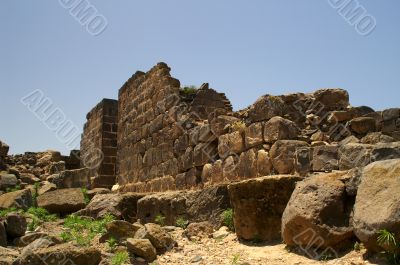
{"x":242,"y":48}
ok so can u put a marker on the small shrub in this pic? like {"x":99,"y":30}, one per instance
{"x":85,"y":195}
{"x":16,"y":188}
{"x":189,"y":90}
{"x":3,"y":213}
{"x":235,"y":259}
{"x":227,"y":219}
{"x":112,"y":243}
{"x":388,"y":241}
{"x":238,"y":126}
{"x":39,"y":216}
{"x":160,"y":219}
{"x":120,"y":258}
{"x":82,"y":230}
{"x":182,"y":223}
{"x":66,"y":236}
{"x":358,"y":246}
{"x":35,"y":193}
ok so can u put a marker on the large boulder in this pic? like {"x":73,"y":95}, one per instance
{"x":278,"y":128}
{"x":283,"y":155}
{"x":195,"y":206}
{"x":258,"y":205}
{"x":377,"y":137}
{"x":363,"y":125}
{"x":121,"y":205}
{"x":142,"y":248}
{"x":325,"y":158}
{"x":332,"y":99}
{"x":158,"y":237}
{"x":62,"y":254}
{"x":377,"y":204}
{"x":20,"y":199}
{"x":254,"y":135}
{"x":7,"y":181}
{"x":62,"y":201}
{"x":15,"y":225}
{"x":77,"y":178}
{"x":3,"y":149}
{"x":266,"y":107}
{"x":354,"y":155}
{"x":232,"y":143}
{"x":120,"y":230}
{"x":317,"y":214}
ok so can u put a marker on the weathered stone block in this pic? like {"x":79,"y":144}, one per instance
{"x":278,"y":128}
{"x":258,"y":205}
{"x":254,"y":135}
{"x":283,"y":155}
{"x":325,"y":158}
{"x":231,"y":143}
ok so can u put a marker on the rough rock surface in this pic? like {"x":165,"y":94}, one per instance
{"x":62,"y":201}
{"x":142,"y":248}
{"x":377,"y":203}
{"x":21,"y":199}
{"x":278,"y":128}
{"x":316,"y":214}
{"x":60,"y":254}
{"x":258,"y":206}
{"x":122,"y":206}
{"x":283,"y":155}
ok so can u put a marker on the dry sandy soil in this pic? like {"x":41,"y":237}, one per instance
{"x":229,"y":251}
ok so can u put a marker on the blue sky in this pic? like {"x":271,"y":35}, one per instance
{"x":242,"y":48}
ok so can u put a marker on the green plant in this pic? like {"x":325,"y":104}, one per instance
{"x":227,"y":219}
{"x":120,"y":258}
{"x":358,"y":246}
{"x":189,"y":90}
{"x":327,"y":255}
{"x":16,"y":188}
{"x":83,"y":229}
{"x":387,"y":240}
{"x":66,"y":236}
{"x":182,"y":223}
{"x":238,"y":126}
{"x":85,"y":195}
{"x":112,"y":243}
{"x":160,"y":219}
{"x":39,"y":216}
{"x":4,"y":212}
{"x":235,"y":259}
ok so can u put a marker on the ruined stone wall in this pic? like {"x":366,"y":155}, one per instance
{"x":159,"y":146}
{"x":170,"y":138}
{"x":99,"y":143}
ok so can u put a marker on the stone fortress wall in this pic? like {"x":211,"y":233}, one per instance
{"x":172,"y":139}
{"x":99,"y":143}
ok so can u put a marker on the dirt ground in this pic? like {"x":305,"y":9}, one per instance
{"x":229,"y":251}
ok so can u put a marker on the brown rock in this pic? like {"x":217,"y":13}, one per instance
{"x":60,"y":253}
{"x":279,"y":128}
{"x":120,"y":230}
{"x":231,"y":143}
{"x":283,"y":155}
{"x":377,"y":137}
{"x":21,"y":199}
{"x":7,"y":181}
{"x":78,"y":178}
{"x":363,"y":125}
{"x":316,"y":215}
{"x":254,"y":135}
{"x":62,"y":201}
{"x":120,"y":205}
{"x":332,"y":99}
{"x":377,"y":202}
{"x":15,"y":225}
{"x":264,"y":164}
{"x":200,"y":230}
{"x":247,"y":166}
{"x":3,"y":234}
{"x":142,"y":248}
{"x":158,"y":237}
{"x":325,"y":158}
{"x":258,"y":205}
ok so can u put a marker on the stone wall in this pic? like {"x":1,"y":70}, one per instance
{"x":164,"y":131}
{"x":171,"y":138}
{"x":99,"y":143}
